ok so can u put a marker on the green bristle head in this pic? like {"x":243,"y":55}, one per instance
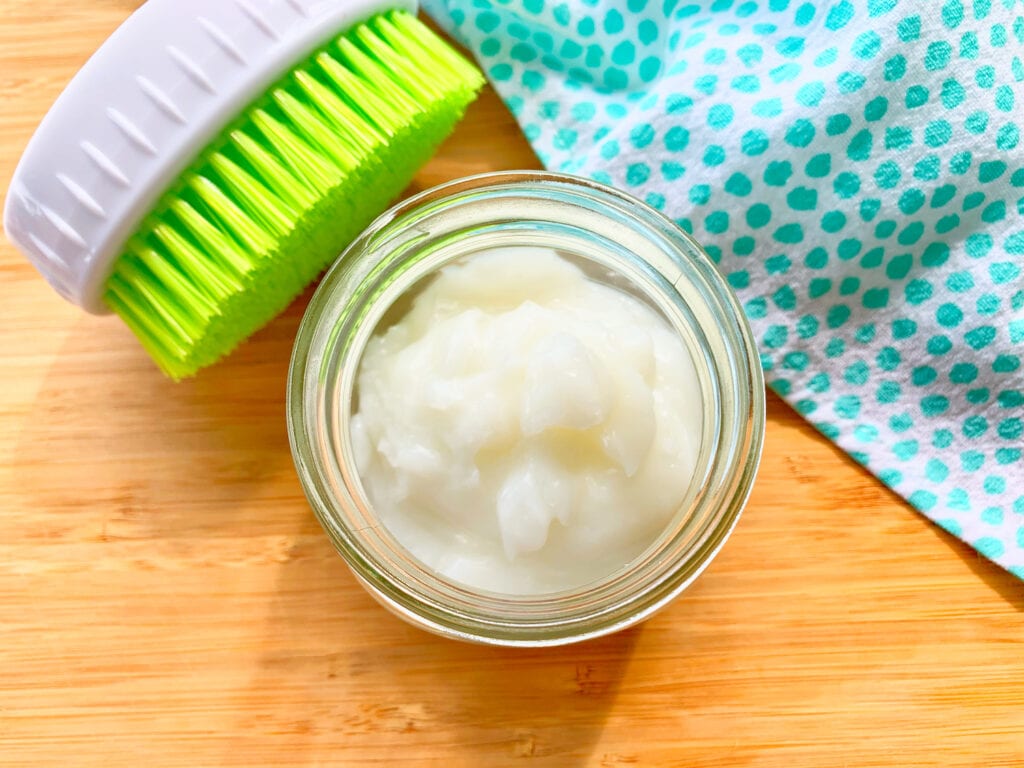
{"x":283,"y":190}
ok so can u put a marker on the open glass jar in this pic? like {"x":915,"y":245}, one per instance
{"x":633,"y":248}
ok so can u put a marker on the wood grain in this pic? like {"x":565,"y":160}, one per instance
{"x":166,"y":597}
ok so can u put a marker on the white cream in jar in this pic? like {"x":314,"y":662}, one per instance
{"x":523,"y":428}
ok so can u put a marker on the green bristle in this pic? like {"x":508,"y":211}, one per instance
{"x":286,"y":187}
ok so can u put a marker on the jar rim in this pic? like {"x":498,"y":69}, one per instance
{"x":340,"y":313}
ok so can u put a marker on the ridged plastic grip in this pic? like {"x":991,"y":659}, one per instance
{"x":135,"y":116}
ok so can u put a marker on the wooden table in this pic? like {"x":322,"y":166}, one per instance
{"x":166,"y":597}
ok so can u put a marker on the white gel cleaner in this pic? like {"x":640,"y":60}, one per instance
{"x":524,"y":429}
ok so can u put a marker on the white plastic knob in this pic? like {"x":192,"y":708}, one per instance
{"x":158,"y":91}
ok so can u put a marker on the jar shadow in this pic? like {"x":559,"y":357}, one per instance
{"x":544,"y":703}
{"x":368,"y":687}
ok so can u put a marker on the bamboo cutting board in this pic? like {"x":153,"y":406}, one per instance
{"x":167,"y":599}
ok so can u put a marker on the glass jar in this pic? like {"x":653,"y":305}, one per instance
{"x":626,"y":244}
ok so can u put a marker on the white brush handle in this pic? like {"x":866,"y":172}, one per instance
{"x":157,"y":91}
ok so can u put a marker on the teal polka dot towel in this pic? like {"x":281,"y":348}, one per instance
{"x":856,"y":169}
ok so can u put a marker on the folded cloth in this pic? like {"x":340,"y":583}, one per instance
{"x":855,"y":168}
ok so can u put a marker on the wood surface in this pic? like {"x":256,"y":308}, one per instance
{"x":167,"y":598}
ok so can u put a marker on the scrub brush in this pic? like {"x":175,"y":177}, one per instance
{"x":214,"y":155}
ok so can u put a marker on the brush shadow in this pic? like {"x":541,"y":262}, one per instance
{"x":213,"y":442}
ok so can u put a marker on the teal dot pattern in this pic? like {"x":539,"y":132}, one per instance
{"x":855,"y":168}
